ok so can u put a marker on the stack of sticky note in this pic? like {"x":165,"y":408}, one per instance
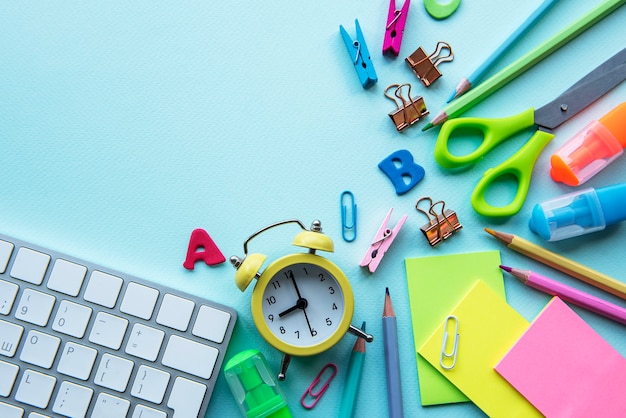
{"x":565,"y":368}
{"x":558,"y":366}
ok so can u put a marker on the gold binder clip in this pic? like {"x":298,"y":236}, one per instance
{"x":408,"y":111}
{"x":425,"y":67}
{"x":441,"y":225}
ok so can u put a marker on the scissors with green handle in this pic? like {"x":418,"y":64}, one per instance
{"x":545,"y":119}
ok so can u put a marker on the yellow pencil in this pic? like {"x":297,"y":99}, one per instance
{"x":556,"y":261}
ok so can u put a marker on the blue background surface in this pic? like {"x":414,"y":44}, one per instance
{"x":125,"y":125}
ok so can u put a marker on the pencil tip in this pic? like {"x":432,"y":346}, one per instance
{"x":490,"y":231}
{"x":427,"y":127}
{"x":506,"y":268}
{"x":387,"y":307}
{"x":453,"y":96}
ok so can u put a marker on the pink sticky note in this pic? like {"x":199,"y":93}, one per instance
{"x":565,"y":368}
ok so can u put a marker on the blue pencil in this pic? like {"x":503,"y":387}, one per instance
{"x":467,"y":83}
{"x":392,"y":359}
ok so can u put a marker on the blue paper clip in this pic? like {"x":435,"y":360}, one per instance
{"x":345,"y":226}
{"x":317,"y":394}
{"x":360,"y":56}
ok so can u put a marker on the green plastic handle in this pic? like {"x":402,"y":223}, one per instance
{"x":441,"y":9}
{"x":493,"y":131}
{"x":519,"y":165}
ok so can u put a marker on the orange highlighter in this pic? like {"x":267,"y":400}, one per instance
{"x":591,"y":149}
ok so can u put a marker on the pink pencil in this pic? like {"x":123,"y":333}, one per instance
{"x":569,"y":294}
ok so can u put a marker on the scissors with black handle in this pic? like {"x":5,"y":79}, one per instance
{"x":544,"y":120}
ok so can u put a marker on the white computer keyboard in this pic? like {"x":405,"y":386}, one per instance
{"x":80,"y":340}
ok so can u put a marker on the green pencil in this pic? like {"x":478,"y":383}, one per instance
{"x":353,"y":378}
{"x":490,"y":86}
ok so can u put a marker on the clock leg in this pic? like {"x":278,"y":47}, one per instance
{"x":360,"y":333}
{"x":283,"y":366}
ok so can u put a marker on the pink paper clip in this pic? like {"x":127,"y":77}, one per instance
{"x":396,"y":19}
{"x":381,"y":243}
{"x":317,"y":394}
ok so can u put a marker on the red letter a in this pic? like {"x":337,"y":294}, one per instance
{"x":211,"y":255}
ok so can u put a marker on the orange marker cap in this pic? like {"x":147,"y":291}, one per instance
{"x":591,"y":149}
{"x":615,"y":121}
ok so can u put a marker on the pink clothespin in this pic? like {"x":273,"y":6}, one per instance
{"x":381,"y":243}
{"x":396,"y":19}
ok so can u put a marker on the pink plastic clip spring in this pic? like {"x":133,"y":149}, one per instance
{"x":317,"y":394}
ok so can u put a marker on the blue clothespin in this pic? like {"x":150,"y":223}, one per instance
{"x":360,"y":56}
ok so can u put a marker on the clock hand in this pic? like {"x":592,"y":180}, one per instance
{"x":307,"y":322}
{"x":300,"y":304}
{"x":293,"y":279}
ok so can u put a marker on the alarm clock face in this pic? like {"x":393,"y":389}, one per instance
{"x":305,"y":306}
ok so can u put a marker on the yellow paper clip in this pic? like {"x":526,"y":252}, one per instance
{"x":317,"y":394}
{"x":445,"y":355}
{"x":408,"y":111}
{"x":348,"y":227}
{"x":425,"y":66}
{"x":441,"y":225}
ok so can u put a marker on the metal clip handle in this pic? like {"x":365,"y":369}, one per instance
{"x":445,"y":355}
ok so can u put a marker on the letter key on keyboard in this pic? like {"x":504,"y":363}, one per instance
{"x":81,"y":340}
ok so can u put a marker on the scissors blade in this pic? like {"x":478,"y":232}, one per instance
{"x":587,"y":90}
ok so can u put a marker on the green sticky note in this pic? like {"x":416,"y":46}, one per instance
{"x":436,"y":285}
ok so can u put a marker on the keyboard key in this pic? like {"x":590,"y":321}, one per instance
{"x":113,"y":372}
{"x":108,"y":330}
{"x":77,"y":360}
{"x":72,"y":400}
{"x":139,"y":300}
{"x":35,"y":389}
{"x":35,"y":307}
{"x":211,"y":324}
{"x":38,"y":415}
{"x":103,"y":289}
{"x":186,"y":398}
{"x":6,"y":248}
{"x":8,"y":373}
{"x":30,"y":265}
{"x":72,"y":319}
{"x":190,"y":357}
{"x":145,"y":342}
{"x":109,"y":406}
{"x":8,"y":291}
{"x":40,"y":349}
{"x":10,"y":335}
{"x":150,"y":384}
{"x":10,"y":411}
{"x":175,"y":312}
{"x":142,"y":411}
{"x":67,"y":277}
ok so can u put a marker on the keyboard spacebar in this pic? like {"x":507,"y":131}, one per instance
{"x":190,"y":357}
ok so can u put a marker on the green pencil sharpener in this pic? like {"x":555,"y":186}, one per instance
{"x":255,"y":389}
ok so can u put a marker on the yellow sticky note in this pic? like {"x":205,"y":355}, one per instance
{"x":436,"y":285}
{"x":488,"y":327}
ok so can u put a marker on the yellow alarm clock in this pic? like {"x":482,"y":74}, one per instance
{"x":302,"y":304}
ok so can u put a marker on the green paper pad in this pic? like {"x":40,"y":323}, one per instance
{"x":436,"y":285}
